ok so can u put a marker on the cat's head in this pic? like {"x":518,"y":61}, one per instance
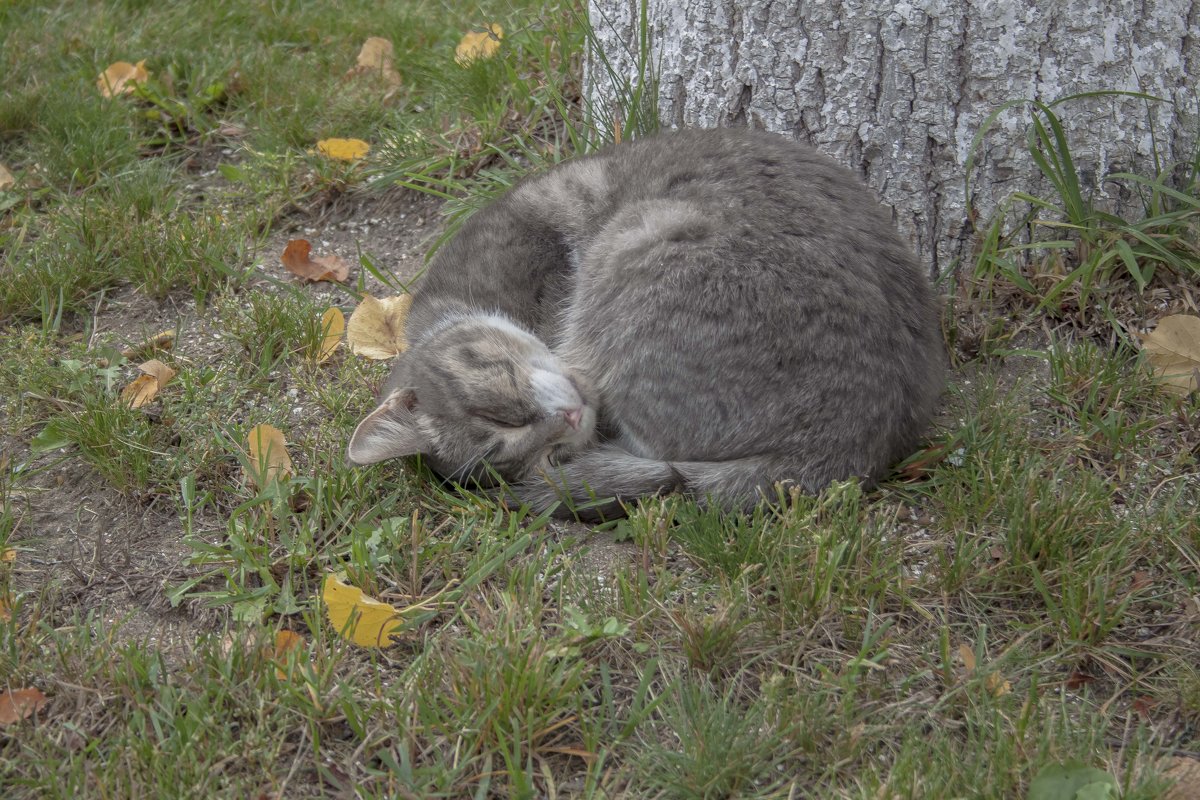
{"x":476,"y":391}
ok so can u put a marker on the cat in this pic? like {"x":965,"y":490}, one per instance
{"x":711,"y":312}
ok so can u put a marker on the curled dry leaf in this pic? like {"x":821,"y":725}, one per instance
{"x":19,"y":704}
{"x":333,"y":325}
{"x":376,"y":328}
{"x":269,"y":459}
{"x":299,"y":261}
{"x":7,"y":180}
{"x":1173,"y":349}
{"x":375,"y":58}
{"x":121,"y":77}
{"x":159,"y":341}
{"x":343,"y":149}
{"x":358,"y":617}
{"x":478,"y":45}
{"x":155,"y":375}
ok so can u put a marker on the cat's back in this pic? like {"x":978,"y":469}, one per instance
{"x":743,"y":279}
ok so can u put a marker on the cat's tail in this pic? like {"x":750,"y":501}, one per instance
{"x":597,"y":483}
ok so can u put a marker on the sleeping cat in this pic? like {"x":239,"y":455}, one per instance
{"x":703,"y":311}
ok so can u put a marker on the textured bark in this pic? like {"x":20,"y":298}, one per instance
{"x":896,"y":90}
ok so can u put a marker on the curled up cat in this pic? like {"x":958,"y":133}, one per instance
{"x":710,"y":312}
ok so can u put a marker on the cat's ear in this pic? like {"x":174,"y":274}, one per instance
{"x":389,"y":431}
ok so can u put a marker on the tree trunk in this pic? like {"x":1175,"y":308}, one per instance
{"x":897,"y":90}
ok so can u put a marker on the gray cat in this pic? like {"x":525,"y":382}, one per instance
{"x":704,"y":311}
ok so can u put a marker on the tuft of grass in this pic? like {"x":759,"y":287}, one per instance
{"x":1067,"y":250}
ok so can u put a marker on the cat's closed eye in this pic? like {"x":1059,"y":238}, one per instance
{"x":502,"y":422}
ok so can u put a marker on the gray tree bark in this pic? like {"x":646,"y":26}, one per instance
{"x":897,"y":89}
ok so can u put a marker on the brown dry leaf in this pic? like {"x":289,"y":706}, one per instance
{"x":121,"y":78}
{"x":299,"y":261}
{"x":19,"y":704}
{"x":144,"y":387}
{"x":478,"y":44}
{"x":1173,"y":349}
{"x":269,"y":459}
{"x":6,"y":178}
{"x":333,"y":325}
{"x":159,"y":341}
{"x":375,"y":58}
{"x":1185,"y":772}
{"x":285,"y":642}
{"x":5,"y":609}
{"x":343,"y":149}
{"x":968,"y":657}
{"x":376,"y":328}
{"x":996,"y":684}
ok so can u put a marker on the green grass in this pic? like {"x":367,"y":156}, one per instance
{"x":1022,"y":597}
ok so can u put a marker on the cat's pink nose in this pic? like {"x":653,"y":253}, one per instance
{"x":573,"y":416}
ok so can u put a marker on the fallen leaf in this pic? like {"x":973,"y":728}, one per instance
{"x":286,"y":642}
{"x":159,"y":341}
{"x":376,"y":328}
{"x":155,"y":375}
{"x":357,"y":617}
{"x":6,"y":178}
{"x":996,"y":684}
{"x":121,"y":77}
{"x":1173,"y":349}
{"x":1185,"y":772}
{"x":1143,"y":705}
{"x":19,"y":704}
{"x":478,"y":45}
{"x":8,"y":555}
{"x":269,"y":459}
{"x":968,"y":657}
{"x":343,"y":149}
{"x":375,"y":58}
{"x":1077,"y":680}
{"x":298,"y":260}
{"x":333,"y":325}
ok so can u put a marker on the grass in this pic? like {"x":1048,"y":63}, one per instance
{"x":1021,"y":595}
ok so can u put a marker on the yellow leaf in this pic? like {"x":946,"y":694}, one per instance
{"x":375,"y":58}
{"x":343,"y":149}
{"x":6,"y":178}
{"x":968,"y":657}
{"x":8,"y":555}
{"x":121,"y":78}
{"x":478,"y":44}
{"x":333,"y":325}
{"x":19,"y":704}
{"x":376,"y":328}
{"x":269,"y":459}
{"x":144,"y":387}
{"x":996,"y":684}
{"x":297,"y":257}
{"x":1173,"y":349}
{"x":357,"y":617}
